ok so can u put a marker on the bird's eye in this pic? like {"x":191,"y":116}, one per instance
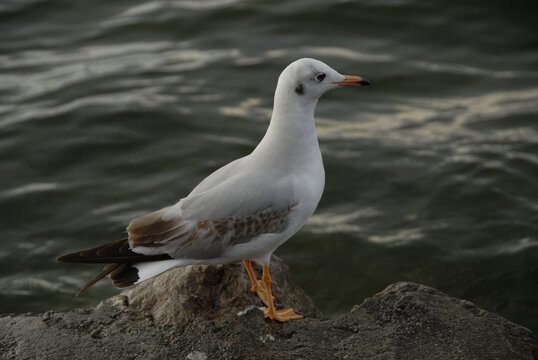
{"x":320,"y":77}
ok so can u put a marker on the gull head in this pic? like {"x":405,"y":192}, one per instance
{"x":309,"y":79}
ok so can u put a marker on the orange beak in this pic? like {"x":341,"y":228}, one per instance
{"x":351,"y":80}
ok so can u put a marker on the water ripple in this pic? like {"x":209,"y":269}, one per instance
{"x":28,"y":189}
{"x":340,"y":222}
{"x":399,"y":237}
{"x":328,"y":52}
{"x":90,"y":64}
{"x":139,"y":13}
{"x":510,"y":248}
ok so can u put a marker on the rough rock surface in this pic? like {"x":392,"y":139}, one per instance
{"x":213,"y":292}
{"x":404,"y":321}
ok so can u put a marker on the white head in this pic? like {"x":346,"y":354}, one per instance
{"x":308,"y":79}
{"x":299,"y":87}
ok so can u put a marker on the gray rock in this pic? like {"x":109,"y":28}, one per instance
{"x":412,"y":321}
{"x":194,"y":293}
{"x":192,"y":313}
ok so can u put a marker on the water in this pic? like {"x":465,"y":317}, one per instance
{"x":110,"y":110}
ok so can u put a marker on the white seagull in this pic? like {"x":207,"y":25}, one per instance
{"x":243,"y":211}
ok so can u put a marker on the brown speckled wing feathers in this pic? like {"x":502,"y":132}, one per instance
{"x":202,"y":239}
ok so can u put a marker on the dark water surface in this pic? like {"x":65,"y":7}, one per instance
{"x":111,"y":109}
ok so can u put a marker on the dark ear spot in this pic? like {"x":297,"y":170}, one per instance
{"x":299,"y":89}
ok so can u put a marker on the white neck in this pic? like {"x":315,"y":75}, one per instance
{"x":291,"y":130}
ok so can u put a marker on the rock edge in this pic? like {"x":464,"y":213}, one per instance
{"x":207,"y":312}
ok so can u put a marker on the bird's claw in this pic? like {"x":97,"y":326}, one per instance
{"x":282,"y":315}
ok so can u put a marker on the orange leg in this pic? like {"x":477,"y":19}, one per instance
{"x":250,"y":272}
{"x":257,"y":285}
{"x":279,"y":315}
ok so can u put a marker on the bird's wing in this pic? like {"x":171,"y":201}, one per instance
{"x":205,"y":224}
{"x":230,"y":209}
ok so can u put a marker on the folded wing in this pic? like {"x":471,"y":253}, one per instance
{"x":154,"y":234}
{"x":202,"y":226}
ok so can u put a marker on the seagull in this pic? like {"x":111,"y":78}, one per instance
{"x":244,"y":210}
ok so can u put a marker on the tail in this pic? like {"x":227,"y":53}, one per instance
{"x":123,"y":264}
{"x":117,"y":251}
{"x":147,"y":270}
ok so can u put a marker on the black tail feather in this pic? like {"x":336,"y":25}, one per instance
{"x":106,"y":270}
{"x":113,"y":252}
{"x":118,"y":256}
{"x":124,"y":276}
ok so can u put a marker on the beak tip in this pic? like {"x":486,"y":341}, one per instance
{"x":352,"y":80}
